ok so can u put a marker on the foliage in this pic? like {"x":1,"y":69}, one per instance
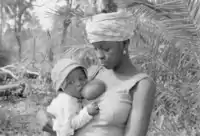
{"x":4,"y":57}
{"x":175,"y":71}
{"x":165,"y":45}
{"x":18,"y":12}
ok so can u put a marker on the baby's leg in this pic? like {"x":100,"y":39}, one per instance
{"x":48,"y":129}
{"x":46,"y":134}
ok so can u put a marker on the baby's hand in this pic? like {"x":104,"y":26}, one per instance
{"x":93,"y":109}
{"x":42,"y":117}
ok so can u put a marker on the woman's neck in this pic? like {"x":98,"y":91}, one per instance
{"x":125,"y":68}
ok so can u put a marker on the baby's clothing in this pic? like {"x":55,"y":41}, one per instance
{"x":68,"y":113}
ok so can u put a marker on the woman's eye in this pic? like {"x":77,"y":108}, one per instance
{"x":95,"y":48}
{"x":81,"y":79}
{"x":106,"y":49}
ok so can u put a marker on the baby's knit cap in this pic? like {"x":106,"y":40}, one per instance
{"x":62,"y":69}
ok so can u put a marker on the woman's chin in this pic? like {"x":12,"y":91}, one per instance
{"x":108,"y":66}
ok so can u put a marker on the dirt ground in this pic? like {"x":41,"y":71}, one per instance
{"x":18,"y":115}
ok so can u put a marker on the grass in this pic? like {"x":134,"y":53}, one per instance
{"x":20,"y":113}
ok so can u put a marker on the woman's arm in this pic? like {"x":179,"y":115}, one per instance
{"x":143,"y":101}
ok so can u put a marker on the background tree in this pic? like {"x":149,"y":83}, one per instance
{"x":19,"y":12}
{"x":64,"y":15}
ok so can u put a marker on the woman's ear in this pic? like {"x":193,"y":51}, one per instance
{"x":126,"y":44}
{"x":60,"y":90}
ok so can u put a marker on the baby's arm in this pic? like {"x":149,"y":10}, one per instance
{"x":80,"y":119}
{"x":73,"y":121}
{"x":48,"y":127}
{"x":52,"y":108}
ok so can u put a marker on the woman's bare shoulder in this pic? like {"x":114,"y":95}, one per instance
{"x":146,"y":89}
{"x":147,"y":84}
{"x":144,"y":84}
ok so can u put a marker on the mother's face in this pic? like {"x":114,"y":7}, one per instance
{"x":109,"y":53}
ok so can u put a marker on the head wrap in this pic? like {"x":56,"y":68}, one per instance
{"x":115,"y":26}
{"x":61,"y":70}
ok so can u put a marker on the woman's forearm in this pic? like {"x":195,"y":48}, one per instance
{"x":138,"y":128}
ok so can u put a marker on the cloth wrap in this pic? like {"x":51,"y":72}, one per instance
{"x":115,"y":26}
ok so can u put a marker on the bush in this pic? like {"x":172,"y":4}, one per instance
{"x":4,"y":56}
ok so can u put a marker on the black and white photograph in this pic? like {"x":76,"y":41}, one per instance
{"x":99,"y":67}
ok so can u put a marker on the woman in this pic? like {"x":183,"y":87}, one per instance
{"x":126,"y":106}
{"x":128,"y":114}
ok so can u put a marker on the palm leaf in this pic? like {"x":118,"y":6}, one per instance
{"x":171,"y":20}
{"x":64,"y":12}
{"x":83,"y":53}
{"x":176,"y":20}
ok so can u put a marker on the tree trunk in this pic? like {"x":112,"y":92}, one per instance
{"x":1,"y":33}
{"x":66,"y":24}
{"x":49,"y":51}
{"x":18,"y":28}
{"x":7,"y":90}
{"x":34,"y":49}
{"x":19,"y":45}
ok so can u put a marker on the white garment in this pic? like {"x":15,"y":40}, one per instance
{"x":68,"y":114}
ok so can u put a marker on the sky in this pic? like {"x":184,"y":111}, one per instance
{"x":44,"y":6}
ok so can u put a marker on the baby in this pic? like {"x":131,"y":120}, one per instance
{"x":70,"y":81}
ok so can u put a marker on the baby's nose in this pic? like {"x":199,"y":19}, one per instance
{"x":77,"y":83}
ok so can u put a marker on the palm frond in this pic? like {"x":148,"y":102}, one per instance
{"x":82,"y":53}
{"x":65,"y":12}
{"x":175,"y":20}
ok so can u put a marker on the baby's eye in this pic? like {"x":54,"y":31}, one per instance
{"x":70,"y":82}
{"x":82,"y":78}
{"x":95,"y":48}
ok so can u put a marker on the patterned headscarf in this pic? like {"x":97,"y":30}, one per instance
{"x":115,"y":26}
{"x":61,"y":70}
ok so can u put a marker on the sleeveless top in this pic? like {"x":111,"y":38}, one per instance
{"x":115,"y":105}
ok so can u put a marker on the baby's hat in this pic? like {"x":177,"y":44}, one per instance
{"x":62,"y":69}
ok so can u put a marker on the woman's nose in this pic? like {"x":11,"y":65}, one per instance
{"x":100,"y":54}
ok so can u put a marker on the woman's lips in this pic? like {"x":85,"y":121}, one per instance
{"x":103,"y":62}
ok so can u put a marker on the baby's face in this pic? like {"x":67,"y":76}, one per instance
{"x":75,"y":82}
